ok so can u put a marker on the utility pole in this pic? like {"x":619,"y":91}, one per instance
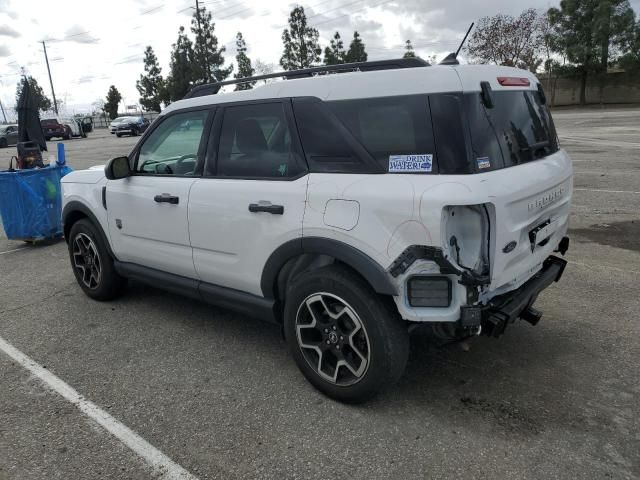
{"x":3,"y":114}
{"x":53,"y":93}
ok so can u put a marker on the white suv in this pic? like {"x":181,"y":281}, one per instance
{"x":349,"y":207}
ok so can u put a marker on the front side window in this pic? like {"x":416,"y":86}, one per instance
{"x":172,"y":148}
{"x":256,"y":142}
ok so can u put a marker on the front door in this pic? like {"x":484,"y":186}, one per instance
{"x":251,"y":199}
{"x":147,"y":211}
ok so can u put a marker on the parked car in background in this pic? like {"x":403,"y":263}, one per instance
{"x":131,"y":126}
{"x":54,"y":128}
{"x":8,"y":135}
{"x":73,"y":126}
{"x":114,"y":123}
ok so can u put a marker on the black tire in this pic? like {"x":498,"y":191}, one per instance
{"x":134,"y":132}
{"x":3,"y":143}
{"x":385,"y":335}
{"x":118,"y":135}
{"x":106,"y":284}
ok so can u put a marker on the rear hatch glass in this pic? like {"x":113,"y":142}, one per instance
{"x":518,"y":129}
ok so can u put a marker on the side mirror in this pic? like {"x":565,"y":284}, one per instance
{"x":117,"y":168}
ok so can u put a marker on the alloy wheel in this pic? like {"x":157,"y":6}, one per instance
{"x":332,"y":339}
{"x":87,"y":261}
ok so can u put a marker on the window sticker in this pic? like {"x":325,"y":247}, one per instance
{"x":410,"y":163}
{"x":483,"y":162}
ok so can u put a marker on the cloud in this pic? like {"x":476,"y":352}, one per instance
{"x":4,"y":51}
{"x":9,"y":31}
{"x":85,"y":79}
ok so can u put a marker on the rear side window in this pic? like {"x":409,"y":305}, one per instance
{"x":518,"y":129}
{"x":255,"y":142}
{"x":389,"y":127}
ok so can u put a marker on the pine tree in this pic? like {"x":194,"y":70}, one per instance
{"x":113,"y":100}
{"x":40,"y":99}
{"x":208,"y":58}
{"x":335,"y":53}
{"x":182,"y":76}
{"x":356,"y":51}
{"x":244,"y":64}
{"x":301,"y":47}
{"x":151,"y":85}
{"x":408,"y":50}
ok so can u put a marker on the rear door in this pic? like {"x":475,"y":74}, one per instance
{"x":251,"y":199}
{"x":147,"y":211}
{"x":529,"y":178}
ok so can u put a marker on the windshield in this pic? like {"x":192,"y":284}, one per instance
{"x":518,"y":129}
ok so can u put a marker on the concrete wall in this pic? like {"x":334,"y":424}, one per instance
{"x":618,"y":87}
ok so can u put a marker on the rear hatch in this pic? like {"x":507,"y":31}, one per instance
{"x":514,"y":146}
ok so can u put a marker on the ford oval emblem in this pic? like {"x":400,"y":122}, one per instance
{"x":509,"y":247}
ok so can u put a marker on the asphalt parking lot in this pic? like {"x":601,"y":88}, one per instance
{"x":218,"y":394}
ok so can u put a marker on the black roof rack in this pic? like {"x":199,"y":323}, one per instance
{"x":213,"y":88}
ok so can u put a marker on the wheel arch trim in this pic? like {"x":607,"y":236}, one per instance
{"x":367,"y":267}
{"x":76,"y":206}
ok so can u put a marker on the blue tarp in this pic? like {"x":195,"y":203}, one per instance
{"x":31,"y":202}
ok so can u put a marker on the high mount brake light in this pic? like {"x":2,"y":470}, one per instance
{"x":514,"y":81}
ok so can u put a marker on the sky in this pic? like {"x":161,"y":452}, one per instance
{"x":92,"y":44}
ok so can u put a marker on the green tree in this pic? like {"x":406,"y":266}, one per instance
{"x":631,"y":60}
{"x":208,"y":58}
{"x":113,"y":100}
{"x":521,"y":41}
{"x":40,"y":99}
{"x":182,"y":75}
{"x":356,"y":52}
{"x":301,"y":47}
{"x":151,"y":85}
{"x":408,"y":50}
{"x":591,"y":33}
{"x":244,"y":64}
{"x":335,"y":53}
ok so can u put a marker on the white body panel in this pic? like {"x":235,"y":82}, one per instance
{"x":231,"y":244}
{"x":152,"y":234}
{"x":212,"y":236}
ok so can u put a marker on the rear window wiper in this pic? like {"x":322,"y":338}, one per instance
{"x":535,"y":146}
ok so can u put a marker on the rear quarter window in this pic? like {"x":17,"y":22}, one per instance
{"x":389,"y":126}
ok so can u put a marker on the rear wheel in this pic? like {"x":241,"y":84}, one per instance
{"x":344,"y":337}
{"x":92,"y":264}
{"x":134,"y":132}
{"x":118,"y":135}
{"x":3,"y":143}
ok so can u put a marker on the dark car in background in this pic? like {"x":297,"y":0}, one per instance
{"x":51,"y":128}
{"x":131,"y":126}
{"x":8,"y":135}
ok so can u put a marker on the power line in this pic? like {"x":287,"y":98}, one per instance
{"x":352,"y":12}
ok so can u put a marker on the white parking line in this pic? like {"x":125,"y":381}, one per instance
{"x":163,"y":467}
{"x":604,"y":191}
{"x":14,"y":250}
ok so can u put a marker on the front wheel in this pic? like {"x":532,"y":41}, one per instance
{"x":346,"y":339}
{"x":92,"y":265}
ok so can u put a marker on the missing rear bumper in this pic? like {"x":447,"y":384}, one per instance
{"x":506,"y":308}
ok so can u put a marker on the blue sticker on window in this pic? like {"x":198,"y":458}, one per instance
{"x":483,"y":162}
{"x":410,"y":163}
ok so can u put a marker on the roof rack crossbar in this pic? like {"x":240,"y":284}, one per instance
{"x":213,"y":88}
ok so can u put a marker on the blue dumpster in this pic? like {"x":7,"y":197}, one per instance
{"x":31,"y":202}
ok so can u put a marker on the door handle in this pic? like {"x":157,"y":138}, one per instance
{"x":167,"y":198}
{"x":266,"y":207}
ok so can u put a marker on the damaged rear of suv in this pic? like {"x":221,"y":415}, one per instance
{"x":351,"y":204}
